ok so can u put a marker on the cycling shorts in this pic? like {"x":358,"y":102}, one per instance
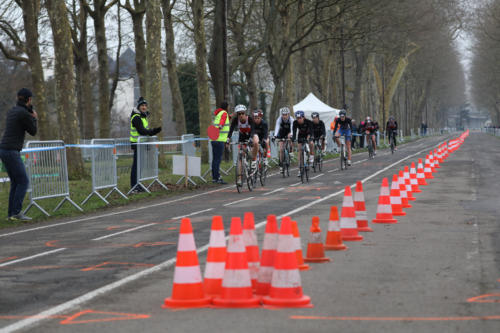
{"x":303,"y":139}
{"x":346,"y":132}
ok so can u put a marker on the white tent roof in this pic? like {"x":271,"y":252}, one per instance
{"x":312,"y":103}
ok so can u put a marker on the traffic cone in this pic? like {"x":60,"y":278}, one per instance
{"x":413,"y":179}
{"x":359,"y":207}
{"x":252,"y":247}
{"x":436,"y":160}
{"x":236,"y":284}
{"x":286,"y":288}
{"x":348,"y":225}
{"x":420,"y":173}
{"x":440,"y":154}
{"x":187,"y":289}
{"x":315,"y":250}
{"x":384,"y":208}
{"x":267,"y":259}
{"x":216,"y":258}
{"x":427,"y":168}
{"x":431,"y":162}
{"x":407,"y":184}
{"x":333,"y":236}
{"x":402,"y":190}
{"x":396,"y":202}
{"x":298,"y":245}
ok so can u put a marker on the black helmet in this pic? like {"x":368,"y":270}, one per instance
{"x":315,"y":115}
{"x":342,"y":113}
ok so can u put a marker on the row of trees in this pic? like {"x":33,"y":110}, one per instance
{"x":377,"y":57}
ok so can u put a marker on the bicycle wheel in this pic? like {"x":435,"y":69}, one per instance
{"x":320,"y":163}
{"x":286,"y":163}
{"x":263,"y":175}
{"x":341,"y":157}
{"x":370,"y":149}
{"x":238,"y":174}
{"x":248,"y":177}
{"x":306,"y":169}
{"x":392,"y":144}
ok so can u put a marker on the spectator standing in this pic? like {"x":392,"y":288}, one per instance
{"x":221,"y":121}
{"x":354,"y":126}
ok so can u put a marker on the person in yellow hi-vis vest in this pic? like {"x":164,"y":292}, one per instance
{"x":221,"y":121}
{"x":139,"y":126}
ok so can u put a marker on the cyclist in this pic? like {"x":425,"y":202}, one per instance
{"x":246,"y":129}
{"x":391,"y":128}
{"x":283,"y":130}
{"x":261,"y":129}
{"x":319,"y":130}
{"x":343,"y":126}
{"x":370,"y":128}
{"x":304,"y":127}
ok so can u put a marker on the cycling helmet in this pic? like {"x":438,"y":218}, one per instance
{"x":368,"y":119}
{"x":258,"y":113}
{"x":284,"y":110}
{"x":342,"y":113}
{"x":240,"y":108}
{"x":315,"y":115}
{"x":391,"y":118}
{"x":299,"y":114}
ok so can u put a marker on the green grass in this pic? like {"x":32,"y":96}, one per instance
{"x":80,"y":189}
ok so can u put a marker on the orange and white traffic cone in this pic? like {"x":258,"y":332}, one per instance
{"x":420,"y":174}
{"x":396,"y":202}
{"x":333,"y":236}
{"x":315,"y":250}
{"x":348,"y":225}
{"x":187,"y":290}
{"x":297,"y":244}
{"x":384,"y":208}
{"x":267,"y":259}
{"x":402,"y":190}
{"x":359,"y":207}
{"x":440,"y":154}
{"x":216,"y":258}
{"x":408,"y":184}
{"x":431,"y":162}
{"x":252,"y":247}
{"x":286,"y":287}
{"x":427,"y":168}
{"x":436,"y":160}
{"x":236,"y":284}
{"x":413,"y":179}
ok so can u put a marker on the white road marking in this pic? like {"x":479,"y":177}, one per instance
{"x":337,"y":169}
{"x":296,"y":184}
{"x":124,"y":231}
{"x":360,"y":161}
{"x":64,"y":307}
{"x":321,"y":174}
{"x":274,"y":191}
{"x":237,"y":201}
{"x":192,"y":214}
{"x":32,"y":257}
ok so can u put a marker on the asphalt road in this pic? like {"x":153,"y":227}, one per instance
{"x":414,"y":276}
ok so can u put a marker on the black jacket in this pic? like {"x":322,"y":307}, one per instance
{"x":137,"y":122}
{"x":19,"y":120}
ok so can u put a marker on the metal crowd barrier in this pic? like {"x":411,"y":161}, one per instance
{"x":47,"y":169}
{"x":123,"y":146}
{"x":147,"y":163}
{"x":104,"y":175}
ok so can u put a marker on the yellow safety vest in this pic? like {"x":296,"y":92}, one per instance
{"x":225,"y":129}
{"x":134,"y":135}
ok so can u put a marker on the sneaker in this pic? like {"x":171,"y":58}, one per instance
{"x":349,"y":162}
{"x":311,"y":159}
{"x":20,"y":217}
{"x":221,"y":181}
{"x":239,"y":183}
{"x":215,"y":181}
{"x":374,"y":153}
{"x":300,"y":174}
{"x":281,"y":169}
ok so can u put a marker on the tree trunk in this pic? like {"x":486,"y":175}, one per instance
{"x":275,"y":104}
{"x":216,"y":57}
{"x":65,"y":83}
{"x":201,"y":74}
{"x":116,"y":74}
{"x":153,"y":60}
{"x":251,"y":87}
{"x":140,"y":44}
{"x":290,"y":84}
{"x":31,"y":10}
{"x":177,"y":104}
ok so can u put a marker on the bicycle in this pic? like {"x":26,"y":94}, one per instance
{"x":369,"y":145}
{"x":391,"y":140}
{"x":304,"y":162}
{"x":343,"y":153}
{"x":242,"y":170}
{"x":284,"y":158}
{"x":261,"y":171}
{"x":318,"y":156}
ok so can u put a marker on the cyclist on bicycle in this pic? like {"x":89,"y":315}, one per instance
{"x":246,"y":129}
{"x":370,"y":128}
{"x":319,"y":130}
{"x":343,"y":126}
{"x":283,"y":130}
{"x":262,"y":132}
{"x":391,"y":128}
{"x":304,"y":127}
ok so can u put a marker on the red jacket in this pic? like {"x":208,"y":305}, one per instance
{"x":223,"y":118}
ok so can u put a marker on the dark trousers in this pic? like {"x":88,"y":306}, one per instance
{"x":133,"y":172}
{"x":217,"y":151}
{"x":18,"y":179}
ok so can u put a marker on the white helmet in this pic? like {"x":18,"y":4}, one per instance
{"x":284,"y":110}
{"x":240,"y":108}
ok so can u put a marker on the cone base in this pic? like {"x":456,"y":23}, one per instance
{"x":412,"y":198}
{"x":317,"y":260}
{"x":407,"y":206}
{"x":365,"y":229}
{"x":429,"y":177}
{"x":424,"y":183}
{"x":339,"y":247}
{"x":416,"y":191}
{"x":236,"y":303}
{"x":186,"y":303}
{"x":304,"y":267}
{"x":287,"y":303}
{"x":385,"y":221}
{"x":353,"y":238}
{"x":399,"y":213}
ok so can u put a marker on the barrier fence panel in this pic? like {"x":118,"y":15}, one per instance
{"x":47,"y":170}
{"x":123,"y":146}
{"x":104,"y":175}
{"x":147,"y":163}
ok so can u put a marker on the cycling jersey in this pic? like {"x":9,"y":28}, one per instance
{"x":339,"y":124}
{"x":392,"y":125}
{"x":304,"y":130}
{"x":261,"y":130}
{"x":372,"y":127}
{"x":246,"y":129}
{"x":283,"y":128}
{"x":319,"y":130}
